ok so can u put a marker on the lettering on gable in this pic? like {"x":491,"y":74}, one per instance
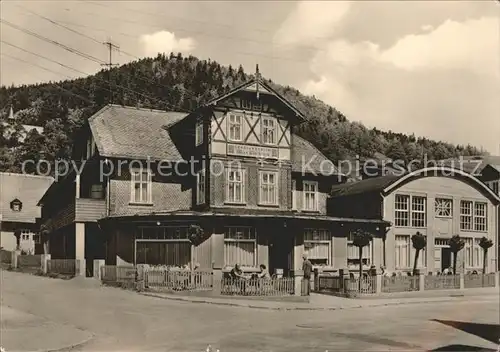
{"x":252,"y":151}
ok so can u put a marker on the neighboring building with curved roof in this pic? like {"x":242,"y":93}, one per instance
{"x":438,"y":202}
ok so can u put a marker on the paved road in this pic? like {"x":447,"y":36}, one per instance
{"x":125,"y":321}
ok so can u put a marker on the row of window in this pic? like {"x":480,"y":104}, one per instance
{"x":495,"y":186}
{"x":404,"y":252}
{"x":410,"y":211}
{"x":473,"y":253}
{"x":268,"y":128}
{"x":268,"y":189}
{"x":404,"y":255}
{"x":170,"y":246}
{"x":141,"y":189}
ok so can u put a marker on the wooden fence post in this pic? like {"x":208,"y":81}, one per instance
{"x":217,"y":281}
{"x":421,"y":282}
{"x":462,"y":281}
{"x":14,"y":255}
{"x":378,"y":285}
{"x":45,"y":263}
{"x":298,"y":276}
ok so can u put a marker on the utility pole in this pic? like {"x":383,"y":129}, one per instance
{"x":110,"y":65}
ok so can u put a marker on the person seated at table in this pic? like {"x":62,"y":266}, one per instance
{"x":237,"y":273}
{"x":264,"y":273}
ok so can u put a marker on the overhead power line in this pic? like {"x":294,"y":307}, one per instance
{"x":85,"y":73}
{"x":48,"y":40}
{"x":151,"y":25}
{"x":17,"y":59}
{"x":110,"y":47}
{"x":59,"y":24}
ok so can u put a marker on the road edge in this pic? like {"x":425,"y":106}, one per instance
{"x":291,"y":308}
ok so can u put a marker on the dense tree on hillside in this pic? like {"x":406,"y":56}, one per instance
{"x":174,"y":82}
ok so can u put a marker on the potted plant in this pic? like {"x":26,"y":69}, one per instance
{"x":419,"y":242}
{"x":456,"y":244}
{"x":196,"y":234}
{"x":485,"y":244}
{"x":361,"y":239}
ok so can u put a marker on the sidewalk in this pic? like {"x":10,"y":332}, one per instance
{"x":26,"y":332}
{"x":327,"y":302}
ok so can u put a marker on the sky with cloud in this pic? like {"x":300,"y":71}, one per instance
{"x":431,"y":68}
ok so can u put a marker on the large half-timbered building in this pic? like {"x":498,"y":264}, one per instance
{"x":229,"y":183}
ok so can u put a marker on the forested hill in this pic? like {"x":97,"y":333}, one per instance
{"x":181,"y":83}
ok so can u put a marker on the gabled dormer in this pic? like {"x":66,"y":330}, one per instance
{"x":252,"y":121}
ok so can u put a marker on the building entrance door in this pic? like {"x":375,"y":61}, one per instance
{"x":445,"y":258}
{"x":280,"y":249}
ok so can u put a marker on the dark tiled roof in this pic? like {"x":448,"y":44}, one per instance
{"x":472,"y":164}
{"x":376,"y":184}
{"x":130,"y":132}
{"x":306,"y":157}
{"x":28,"y":189}
{"x":496,"y":167}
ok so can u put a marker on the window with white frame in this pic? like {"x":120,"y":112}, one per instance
{"x":268,"y":188}
{"x":402,"y":210}
{"x":402,"y":251}
{"x":310,"y":191}
{"x":294,"y":195}
{"x":422,"y":257}
{"x":246,"y":104}
{"x":160,"y":245}
{"x":199,"y":133}
{"x":240,"y":246}
{"x":478,"y":253}
{"x":410,"y":211}
{"x":495,"y":186}
{"x":480,"y":216}
{"x":318,"y":244}
{"x":469,"y":252}
{"x":473,"y":253}
{"x":235,"y":189}
{"x":473,"y":216}
{"x":235,"y":127}
{"x":466,"y":215}
{"x":141,"y":186}
{"x":444,"y":207}
{"x":200,"y":194}
{"x":418,"y":213}
{"x":353,"y":252}
{"x":268,"y":130}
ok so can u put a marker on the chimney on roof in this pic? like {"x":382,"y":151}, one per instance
{"x":257,"y":79}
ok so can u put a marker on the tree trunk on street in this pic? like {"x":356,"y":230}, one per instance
{"x":455,"y":255}
{"x":360,"y":268}
{"x":417,"y":252}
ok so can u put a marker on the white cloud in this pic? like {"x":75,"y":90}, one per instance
{"x":472,"y":44}
{"x":310,"y":21}
{"x":165,"y":42}
{"x":440,"y":84}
